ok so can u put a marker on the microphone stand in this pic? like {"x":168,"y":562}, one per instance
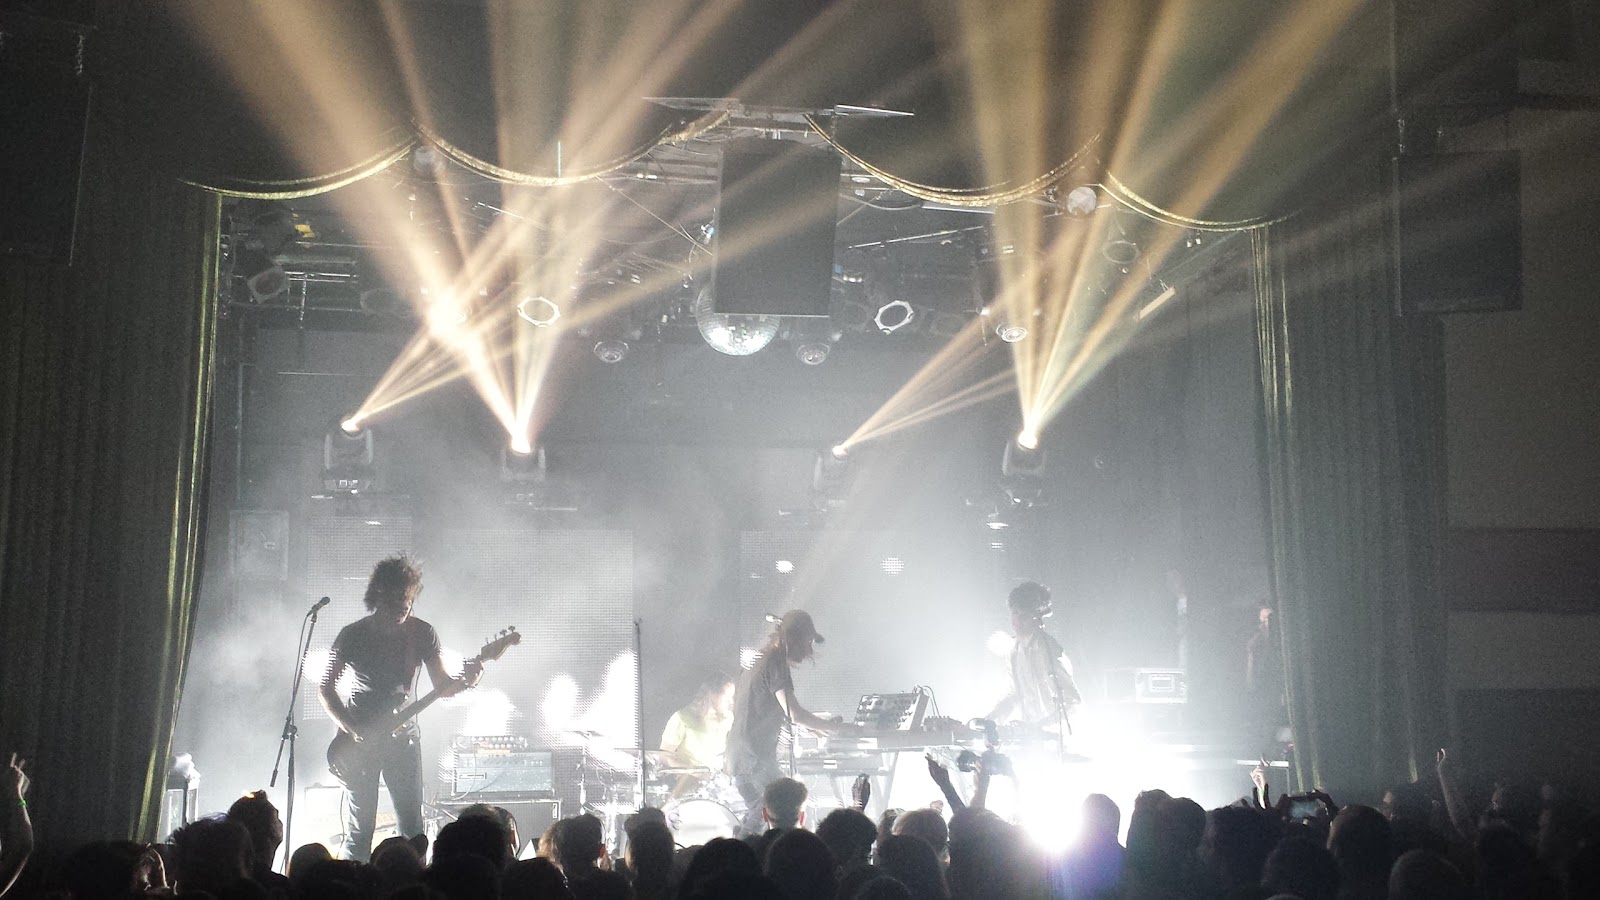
{"x":308,"y":627}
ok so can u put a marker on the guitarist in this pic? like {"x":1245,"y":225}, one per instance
{"x":383,"y":651}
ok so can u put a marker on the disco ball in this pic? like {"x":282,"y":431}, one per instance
{"x":733,"y":335}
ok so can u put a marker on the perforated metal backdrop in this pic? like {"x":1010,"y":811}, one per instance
{"x":887,"y":607}
{"x":339,"y":553}
{"x":569,"y":593}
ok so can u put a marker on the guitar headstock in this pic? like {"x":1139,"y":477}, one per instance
{"x":497,"y":646}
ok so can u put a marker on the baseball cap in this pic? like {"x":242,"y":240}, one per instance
{"x":797,"y":623}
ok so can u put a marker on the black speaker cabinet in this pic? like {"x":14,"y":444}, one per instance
{"x":776,"y":218}
{"x":43,"y":111}
{"x":1459,"y":54}
{"x":1458,"y":232}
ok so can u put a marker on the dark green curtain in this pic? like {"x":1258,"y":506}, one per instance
{"x":105,"y":402}
{"x":1353,"y":451}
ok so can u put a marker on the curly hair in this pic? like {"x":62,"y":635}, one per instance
{"x":399,"y":576}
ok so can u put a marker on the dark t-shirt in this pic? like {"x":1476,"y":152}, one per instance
{"x":757,"y":715}
{"x":384,"y":663}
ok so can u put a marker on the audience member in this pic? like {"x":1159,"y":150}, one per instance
{"x":464,"y":875}
{"x":783,"y":804}
{"x":1093,"y":865}
{"x":849,"y":836}
{"x":16,"y":829}
{"x":477,"y":835}
{"x":719,"y":856}
{"x":880,"y":888}
{"x":260,"y":818}
{"x":534,"y":879}
{"x":801,"y":866}
{"x":912,"y":862}
{"x":928,"y":825}
{"x":649,"y":858}
{"x":1422,"y":875}
{"x":1360,"y":842}
{"x":212,"y":855}
{"x":302,"y":859}
{"x":1300,"y":867}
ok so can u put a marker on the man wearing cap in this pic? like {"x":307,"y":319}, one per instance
{"x":763,"y":701}
{"x":1042,"y":690}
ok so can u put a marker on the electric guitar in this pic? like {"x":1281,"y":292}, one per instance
{"x":347,"y":754}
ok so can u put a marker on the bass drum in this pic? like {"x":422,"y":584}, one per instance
{"x":695,"y":820}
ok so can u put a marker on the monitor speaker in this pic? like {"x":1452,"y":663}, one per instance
{"x":1457,"y":231}
{"x":776,"y":218}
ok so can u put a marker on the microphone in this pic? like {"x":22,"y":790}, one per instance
{"x":318,"y":605}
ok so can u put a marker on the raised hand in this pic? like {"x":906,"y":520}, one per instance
{"x":16,"y":780}
{"x":861,"y":791}
{"x":938,"y":772}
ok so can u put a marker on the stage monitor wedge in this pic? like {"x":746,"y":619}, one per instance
{"x":776,"y":219}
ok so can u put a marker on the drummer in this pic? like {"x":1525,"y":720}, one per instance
{"x":696,"y":736}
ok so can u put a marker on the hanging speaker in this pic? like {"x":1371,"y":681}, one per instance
{"x":1458,"y":232}
{"x":1456,"y":55}
{"x":44,"y":108}
{"x":776,"y":218}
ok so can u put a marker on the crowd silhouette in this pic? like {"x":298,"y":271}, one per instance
{"x":1422,"y":840}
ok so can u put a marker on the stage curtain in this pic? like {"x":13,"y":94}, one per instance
{"x":1353,"y":454}
{"x":105,"y":408}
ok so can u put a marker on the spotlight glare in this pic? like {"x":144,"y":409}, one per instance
{"x":446,"y":315}
{"x":893,"y":565}
{"x":521,"y":446}
{"x":351,"y":426}
{"x":538,"y":311}
{"x":1000,"y":644}
{"x":840,"y":451}
{"x":611,"y":352}
{"x":784,"y":566}
{"x":1028,"y":439}
{"x":893,"y":316}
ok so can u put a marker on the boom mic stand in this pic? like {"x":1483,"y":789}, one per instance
{"x":308,"y":627}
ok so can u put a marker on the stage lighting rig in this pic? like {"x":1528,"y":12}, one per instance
{"x":814,"y":353}
{"x":830,"y":478}
{"x":349,"y":457}
{"x":522,"y":463}
{"x":538,"y":311}
{"x":1022,"y":469}
{"x":262,"y":232}
{"x":611,"y":352}
{"x":1006,"y":328}
{"x":893,"y":316}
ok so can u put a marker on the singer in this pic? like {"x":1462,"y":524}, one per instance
{"x":384,"y":650}
{"x":763,"y":702}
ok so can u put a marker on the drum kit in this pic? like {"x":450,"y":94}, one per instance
{"x":699,"y":803}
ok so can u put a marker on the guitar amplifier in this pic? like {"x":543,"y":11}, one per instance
{"x":487,"y":774}
{"x":1147,"y":686}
